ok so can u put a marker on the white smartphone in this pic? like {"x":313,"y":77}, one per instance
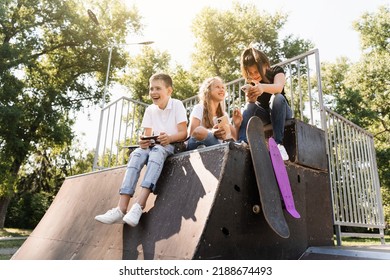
{"x":245,"y":88}
{"x":223,"y":122}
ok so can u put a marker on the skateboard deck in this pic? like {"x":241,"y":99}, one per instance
{"x":282,"y":178}
{"x":266,"y":183}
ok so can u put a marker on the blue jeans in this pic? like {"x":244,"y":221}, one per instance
{"x":154,"y":158}
{"x":277,"y":114}
{"x":209,"y":141}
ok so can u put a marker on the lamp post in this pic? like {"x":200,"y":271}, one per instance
{"x":94,"y":19}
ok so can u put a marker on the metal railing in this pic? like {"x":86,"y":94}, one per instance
{"x":121,"y":128}
{"x":305,"y":95}
{"x":354,"y":178}
{"x":353,"y":173}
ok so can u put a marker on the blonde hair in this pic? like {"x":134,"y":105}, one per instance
{"x":204,"y":97}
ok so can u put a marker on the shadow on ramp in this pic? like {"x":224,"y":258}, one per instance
{"x":203,"y":209}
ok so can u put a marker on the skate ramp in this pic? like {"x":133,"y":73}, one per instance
{"x":203,"y":209}
{"x":170,"y":228}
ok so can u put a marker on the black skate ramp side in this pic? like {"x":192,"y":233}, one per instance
{"x":170,"y":228}
{"x":203,"y":209}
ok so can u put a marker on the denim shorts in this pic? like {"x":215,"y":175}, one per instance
{"x":209,"y":141}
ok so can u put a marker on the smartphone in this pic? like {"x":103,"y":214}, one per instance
{"x":223,"y":122}
{"x":246,"y":87}
{"x":154,"y":137}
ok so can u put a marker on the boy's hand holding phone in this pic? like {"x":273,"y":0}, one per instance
{"x":148,"y":141}
{"x":163,"y":139}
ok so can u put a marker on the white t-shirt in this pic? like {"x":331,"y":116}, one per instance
{"x":197,"y":112}
{"x":164,"y":120}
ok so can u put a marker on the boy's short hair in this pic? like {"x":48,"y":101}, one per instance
{"x":164,"y":77}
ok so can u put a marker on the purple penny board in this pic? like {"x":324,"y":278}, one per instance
{"x":270,"y":201}
{"x":282,"y":178}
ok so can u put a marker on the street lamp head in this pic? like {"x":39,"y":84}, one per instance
{"x":146,"y":43}
{"x":93,"y":17}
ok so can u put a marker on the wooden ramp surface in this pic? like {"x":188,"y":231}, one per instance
{"x":203,"y":209}
{"x":170,"y":228}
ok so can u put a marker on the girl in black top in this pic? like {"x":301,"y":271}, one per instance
{"x":265,"y":96}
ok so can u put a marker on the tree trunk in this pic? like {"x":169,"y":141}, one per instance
{"x":4,"y":202}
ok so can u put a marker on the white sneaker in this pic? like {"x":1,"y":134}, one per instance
{"x":132,"y":217}
{"x":113,"y":216}
{"x":283,"y":152}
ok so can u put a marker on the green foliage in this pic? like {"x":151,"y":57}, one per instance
{"x":222,"y":36}
{"x":39,"y":181}
{"x":370,"y":77}
{"x":149,"y":62}
{"x":14,"y":232}
{"x":360,"y":91}
{"x":50,"y":52}
{"x":141,"y":68}
{"x":185,"y":83}
{"x":386,"y":208}
{"x":374,"y":29}
{"x":25,"y":211}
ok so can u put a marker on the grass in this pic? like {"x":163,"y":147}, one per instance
{"x":11,"y":243}
{"x":359,"y":241}
{"x":5,"y":257}
{"x":12,"y":232}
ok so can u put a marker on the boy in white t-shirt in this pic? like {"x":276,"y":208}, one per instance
{"x":165,"y":118}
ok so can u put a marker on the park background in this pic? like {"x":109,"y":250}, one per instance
{"x":54,"y":62}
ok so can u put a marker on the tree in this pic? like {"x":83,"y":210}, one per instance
{"x":222,"y":36}
{"x":50,"y":53}
{"x":360,"y":91}
{"x":141,"y":68}
{"x":150,"y":61}
{"x":371,"y":76}
{"x":39,"y":180}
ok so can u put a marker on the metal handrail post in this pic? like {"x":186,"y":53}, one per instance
{"x":95,"y":160}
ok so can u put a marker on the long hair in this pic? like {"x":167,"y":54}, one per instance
{"x":205,"y":98}
{"x":254,"y":57}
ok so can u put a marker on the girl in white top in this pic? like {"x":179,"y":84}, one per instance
{"x":203,"y":128}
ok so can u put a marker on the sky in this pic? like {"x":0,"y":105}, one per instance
{"x":326,"y":23}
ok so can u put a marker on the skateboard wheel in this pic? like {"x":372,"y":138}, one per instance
{"x":256,"y":209}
